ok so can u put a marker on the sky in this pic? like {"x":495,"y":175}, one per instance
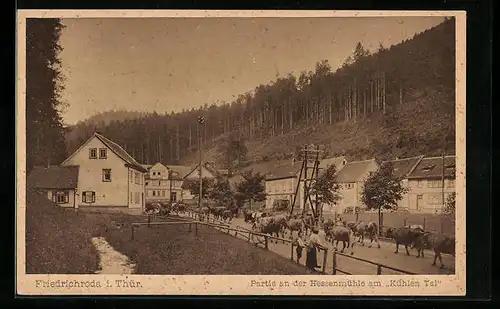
{"x":171,"y":64}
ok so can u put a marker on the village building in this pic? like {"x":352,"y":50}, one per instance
{"x":425,"y":183}
{"x":282,"y":181}
{"x":193,"y":176}
{"x":402,"y":168}
{"x":57,"y":182}
{"x":163,"y":183}
{"x":107,"y":175}
{"x":351,"y":179}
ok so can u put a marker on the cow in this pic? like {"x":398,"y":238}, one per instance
{"x":227,"y":215}
{"x":438,"y":242}
{"x":404,"y":236}
{"x":294,"y":225}
{"x":327,"y":226}
{"x":248,"y":216}
{"x":268,"y":225}
{"x":341,"y":233}
{"x":153,"y":208}
{"x":370,"y":228}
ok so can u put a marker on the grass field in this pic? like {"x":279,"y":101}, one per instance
{"x":58,"y":241}
{"x":173,"y":250}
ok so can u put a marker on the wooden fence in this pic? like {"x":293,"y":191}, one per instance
{"x":249,"y":236}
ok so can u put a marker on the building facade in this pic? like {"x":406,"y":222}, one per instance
{"x":427,"y":193}
{"x":163,"y":183}
{"x":108,"y":176}
{"x":58,"y":183}
{"x":351,"y":179}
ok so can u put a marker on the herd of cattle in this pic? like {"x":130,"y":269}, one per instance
{"x":350,"y":233}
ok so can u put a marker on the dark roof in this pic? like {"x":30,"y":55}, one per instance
{"x":353,"y":171}
{"x":119,"y":151}
{"x":433,"y":168}
{"x":187,"y":182}
{"x":403,"y":167}
{"x":53,"y":177}
{"x":337,"y":161}
{"x":182,"y":170}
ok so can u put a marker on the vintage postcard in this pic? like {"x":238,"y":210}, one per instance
{"x":241,"y":153}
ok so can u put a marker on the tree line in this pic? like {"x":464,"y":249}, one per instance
{"x":366,"y":84}
{"x":45,"y":133}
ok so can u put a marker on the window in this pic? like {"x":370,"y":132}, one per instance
{"x":434,"y":198}
{"x":173,"y":196}
{"x":434,"y":184}
{"x":93,"y":153}
{"x":130,"y":176}
{"x":60,"y":197}
{"x":88,"y":197}
{"x":147,"y":192}
{"x":420,"y":183}
{"x":162,"y":192}
{"x":159,"y":183}
{"x":106,"y":175}
{"x":131,"y":198}
{"x":154,"y":173}
{"x":137,"y":178}
{"x":159,"y":173}
{"x":102,"y":153}
{"x":154,"y":193}
{"x":137,"y":197}
{"x":147,"y":183}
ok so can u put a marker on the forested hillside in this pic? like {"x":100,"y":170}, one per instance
{"x":398,"y":101}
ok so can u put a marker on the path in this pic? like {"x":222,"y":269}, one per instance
{"x":384,"y":255}
{"x":110,"y":260}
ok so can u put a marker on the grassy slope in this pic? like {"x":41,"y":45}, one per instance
{"x":172,"y":250}
{"x":58,"y":241}
{"x":423,"y":113}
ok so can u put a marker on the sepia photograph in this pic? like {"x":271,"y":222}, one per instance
{"x":241,"y":152}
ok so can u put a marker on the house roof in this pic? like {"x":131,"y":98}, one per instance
{"x":403,"y":167}
{"x":182,"y":170}
{"x":353,"y":171}
{"x":432,"y":167}
{"x":53,"y":177}
{"x":119,"y":151}
{"x":337,"y":161}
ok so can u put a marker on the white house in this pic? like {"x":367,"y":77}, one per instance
{"x":281,"y":182}
{"x":164,"y":182}
{"x":107,"y":175}
{"x":59,"y":183}
{"x":402,"y":168}
{"x":426,"y":184}
{"x":351,"y":179}
{"x":207,"y":171}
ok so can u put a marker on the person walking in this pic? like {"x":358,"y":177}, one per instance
{"x":313,"y":245}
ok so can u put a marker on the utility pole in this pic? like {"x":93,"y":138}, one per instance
{"x":305,"y":180}
{"x":442,"y":183}
{"x":201,"y":120}
{"x":170,"y":181}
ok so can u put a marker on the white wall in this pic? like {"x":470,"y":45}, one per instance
{"x":136,"y":195}
{"x":114,"y":193}
{"x":431,"y":201}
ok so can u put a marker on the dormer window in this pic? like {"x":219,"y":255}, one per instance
{"x":154,"y":173}
{"x":159,"y":173}
{"x":102,"y":153}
